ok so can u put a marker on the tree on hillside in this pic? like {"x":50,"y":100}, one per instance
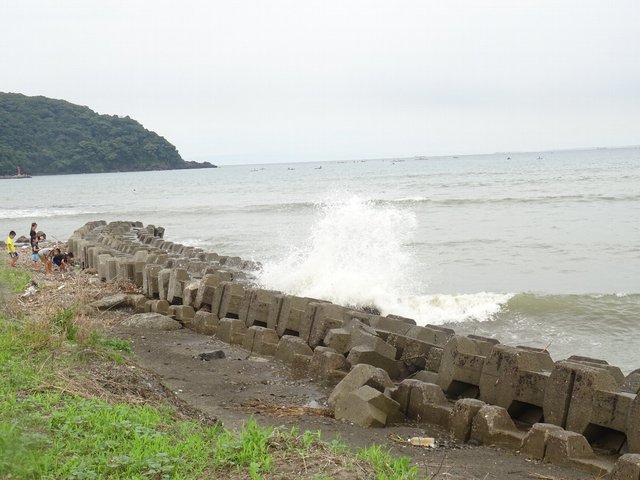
{"x":46,"y":136}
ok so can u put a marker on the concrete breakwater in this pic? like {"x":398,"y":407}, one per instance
{"x":580,"y":412}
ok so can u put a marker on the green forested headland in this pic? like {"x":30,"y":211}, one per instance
{"x":46,"y":137}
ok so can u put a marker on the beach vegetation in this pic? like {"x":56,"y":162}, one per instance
{"x":69,"y":408}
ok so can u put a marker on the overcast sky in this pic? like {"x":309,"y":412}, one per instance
{"x":243,"y":81}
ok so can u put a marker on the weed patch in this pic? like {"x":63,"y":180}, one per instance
{"x":71,"y":406}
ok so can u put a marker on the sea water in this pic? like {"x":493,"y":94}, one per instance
{"x":539,"y":249}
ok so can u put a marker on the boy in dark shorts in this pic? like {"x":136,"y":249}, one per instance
{"x":62,"y":260}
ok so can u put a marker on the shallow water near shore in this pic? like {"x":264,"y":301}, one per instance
{"x":538,"y":249}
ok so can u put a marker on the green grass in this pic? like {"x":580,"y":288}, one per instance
{"x":48,"y":433}
{"x":14,"y":279}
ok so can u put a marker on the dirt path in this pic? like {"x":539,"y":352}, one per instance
{"x":237,"y":386}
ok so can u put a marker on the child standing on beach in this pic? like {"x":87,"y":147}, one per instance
{"x":11,"y":248}
{"x":33,"y":234}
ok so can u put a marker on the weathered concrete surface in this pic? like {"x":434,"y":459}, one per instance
{"x":205,"y":322}
{"x":534,"y":443}
{"x":231,"y":330}
{"x":461,"y":366}
{"x":493,"y":426}
{"x":367,"y":407}
{"x":358,"y":376}
{"x":328,"y":366}
{"x":259,"y":305}
{"x":153,"y":321}
{"x":462,"y":414}
{"x":515,"y":378}
{"x":289,"y":346}
{"x":363,"y":354}
{"x":290,"y":319}
{"x":626,"y":468}
{"x":582,"y":395}
{"x":571,"y":449}
{"x":261,"y":340}
{"x":319,"y":319}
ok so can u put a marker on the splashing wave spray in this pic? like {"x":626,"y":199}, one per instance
{"x":356,"y":255}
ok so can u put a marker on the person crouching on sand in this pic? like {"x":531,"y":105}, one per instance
{"x":11,"y":249}
{"x":62,"y":260}
{"x":46,"y":257}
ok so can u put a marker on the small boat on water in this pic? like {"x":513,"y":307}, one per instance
{"x":19,"y":175}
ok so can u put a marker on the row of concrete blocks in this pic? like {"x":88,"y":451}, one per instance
{"x":368,"y":397}
{"x":582,"y":395}
{"x":123,"y":240}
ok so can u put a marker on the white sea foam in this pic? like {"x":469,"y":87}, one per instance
{"x":44,"y":212}
{"x":442,"y":308}
{"x":354,"y":256}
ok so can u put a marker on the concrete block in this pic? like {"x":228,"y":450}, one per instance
{"x":615,"y":372}
{"x":358,"y":376}
{"x":207,"y":287}
{"x":461,"y":366}
{"x":289,"y":346}
{"x":160,"y":306}
{"x":428,"y":404}
{"x":227,"y":299}
{"x":292,"y":315}
{"x":177,"y":280}
{"x":367,"y":407}
{"x":493,"y":426}
{"x":515,"y":378}
{"x":411,"y":351}
{"x":184,"y":314}
{"x":126,"y":268}
{"x":261,"y":340}
{"x":626,"y":468}
{"x":367,"y":355}
{"x":147,"y":307}
{"x":426,"y":376}
{"x":328,"y":366}
{"x":111,"y":269}
{"x":390,"y":324}
{"x":258,"y":305}
{"x":102,"y":266}
{"x":231,"y":330}
{"x":424,"y":402}
{"x":354,"y":333}
{"x":631,"y":383}
{"x":434,"y":360}
{"x":401,"y":393}
{"x":534,"y":444}
{"x":433,"y":334}
{"x":205,"y":322}
{"x":300,"y":364}
{"x":319,"y":319}
{"x":339,"y":339}
{"x":570,"y":449}
{"x":189,"y":292}
{"x":163,"y":283}
{"x":633,"y":426}
{"x":462,"y":414}
{"x":584,"y":398}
